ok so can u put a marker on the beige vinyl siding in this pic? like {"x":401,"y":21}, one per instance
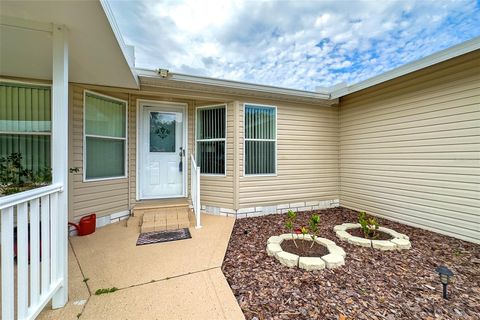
{"x":307,"y":157}
{"x":101,"y":197}
{"x":111,"y":196}
{"x":410,"y":148}
{"x":217,"y":191}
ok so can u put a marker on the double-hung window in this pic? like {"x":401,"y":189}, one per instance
{"x":260,"y":125}
{"x":105,"y":143}
{"x":211,"y":130}
{"x":25,"y":124}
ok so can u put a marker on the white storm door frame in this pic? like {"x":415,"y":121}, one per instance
{"x":141,"y":103}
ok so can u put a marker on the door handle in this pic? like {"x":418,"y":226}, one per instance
{"x":181,"y":154}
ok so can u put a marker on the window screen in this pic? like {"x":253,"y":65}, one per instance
{"x":260,"y":140}
{"x":211,"y":132}
{"x":25,"y":124}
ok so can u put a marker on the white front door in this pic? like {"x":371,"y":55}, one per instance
{"x":162,"y":166}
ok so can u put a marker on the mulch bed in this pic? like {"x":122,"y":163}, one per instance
{"x":304,"y":248}
{"x":373,"y":284}
{"x":379,"y":235}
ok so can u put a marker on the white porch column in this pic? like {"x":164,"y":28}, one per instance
{"x":60,"y":152}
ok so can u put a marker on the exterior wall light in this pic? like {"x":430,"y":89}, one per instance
{"x":163,"y":73}
{"x":445,"y":275}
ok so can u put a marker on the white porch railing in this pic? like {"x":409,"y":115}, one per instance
{"x":39,"y":252}
{"x":195,"y":191}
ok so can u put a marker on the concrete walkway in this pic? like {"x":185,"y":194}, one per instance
{"x":173,"y":280}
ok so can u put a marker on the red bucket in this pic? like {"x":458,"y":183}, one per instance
{"x":86,"y":225}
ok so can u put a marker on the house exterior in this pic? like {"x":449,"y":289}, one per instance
{"x":300,"y":162}
{"x":312,"y":150}
{"x":362,"y":150}
{"x":404,"y":145}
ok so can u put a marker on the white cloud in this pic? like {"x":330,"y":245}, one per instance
{"x":300,"y":44}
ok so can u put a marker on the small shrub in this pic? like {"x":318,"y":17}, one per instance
{"x":290,"y":223}
{"x":313,"y":224}
{"x":15,"y":178}
{"x":12,"y":171}
{"x":312,"y":228}
{"x":304,"y":231}
{"x":369,"y":225}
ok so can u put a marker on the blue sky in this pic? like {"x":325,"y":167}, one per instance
{"x":295,"y":44}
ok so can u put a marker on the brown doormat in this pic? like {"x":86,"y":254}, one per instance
{"x":163,"y":236}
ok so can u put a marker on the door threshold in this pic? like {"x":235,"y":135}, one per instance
{"x":162,"y":199}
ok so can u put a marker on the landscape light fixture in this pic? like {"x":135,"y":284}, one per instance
{"x":163,"y":73}
{"x":445,"y":275}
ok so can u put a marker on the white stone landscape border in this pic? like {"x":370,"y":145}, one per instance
{"x":399,"y":241}
{"x":335,"y":258}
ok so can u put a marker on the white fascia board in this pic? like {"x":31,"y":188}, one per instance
{"x":128,"y":52}
{"x":184,"y":78}
{"x":449,"y":53}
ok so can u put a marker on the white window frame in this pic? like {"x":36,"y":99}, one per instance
{"x":224,"y":105}
{"x":125,"y":139}
{"x":245,"y":139}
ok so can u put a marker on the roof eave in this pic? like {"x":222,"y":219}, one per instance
{"x":126,"y":51}
{"x":186,"y":82}
{"x":446,"y":54}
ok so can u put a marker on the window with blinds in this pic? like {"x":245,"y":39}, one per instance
{"x":25,"y":124}
{"x":105,"y":129}
{"x":260,"y":139}
{"x":211,"y":125}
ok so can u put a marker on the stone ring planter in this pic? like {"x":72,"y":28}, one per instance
{"x":335,"y":258}
{"x":399,"y":241}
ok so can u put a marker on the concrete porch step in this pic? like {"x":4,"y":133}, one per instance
{"x":165,"y":219}
{"x":163,"y":215}
{"x":156,"y":204}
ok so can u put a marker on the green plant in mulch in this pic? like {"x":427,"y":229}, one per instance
{"x":312,"y":229}
{"x":369,"y":225}
{"x":86,"y":279}
{"x":290,"y":224}
{"x":303,"y":231}
{"x":15,"y":178}
{"x":313,"y":225}
{"x":457,"y":252}
{"x":105,"y":290}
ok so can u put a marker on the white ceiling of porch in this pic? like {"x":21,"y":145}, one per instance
{"x":95,"y":54}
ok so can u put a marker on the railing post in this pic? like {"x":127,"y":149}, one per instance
{"x":8,"y":299}
{"x":60,"y":156}
{"x":22,"y":260}
{"x":197,"y":198}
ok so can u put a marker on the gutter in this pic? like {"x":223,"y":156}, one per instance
{"x":331,"y":93}
{"x":230,"y":84}
{"x":446,"y":54}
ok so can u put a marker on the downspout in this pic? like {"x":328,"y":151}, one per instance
{"x":236,"y":165}
{"x":129,"y":203}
